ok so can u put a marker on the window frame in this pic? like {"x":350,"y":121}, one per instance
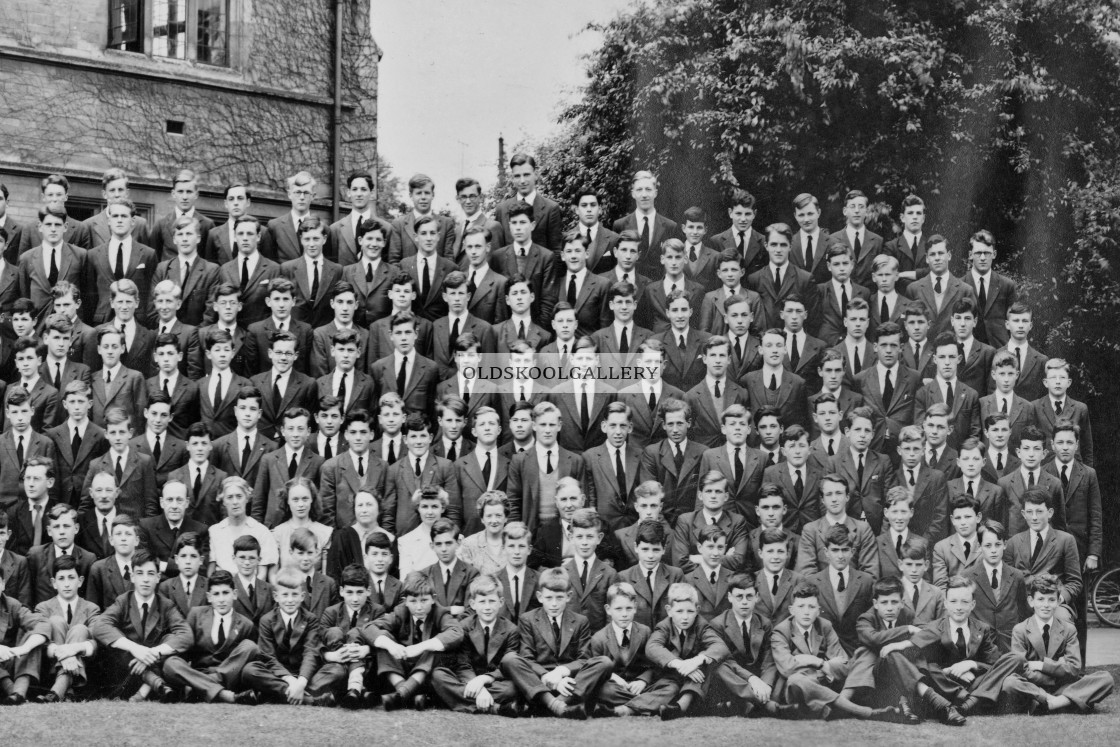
{"x":145,"y":9}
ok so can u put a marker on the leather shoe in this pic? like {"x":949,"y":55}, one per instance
{"x":391,"y":702}
{"x":246,"y":697}
{"x":953,"y":717}
{"x":352,"y":700}
{"x":326,"y":700}
{"x":14,"y":699}
{"x":49,"y":697}
{"x":906,"y":713}
{"x":510,"y":710}
{"x":1038,"y":708}
{"x":670,"y":712}
{"x":165,"y":694}
{"x":420,"y":702}
{"x":602,"y":710}
{"x":968,"y":706}
{"x":575,"y":713}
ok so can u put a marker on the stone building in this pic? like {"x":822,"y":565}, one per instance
{"x":236,"y":90}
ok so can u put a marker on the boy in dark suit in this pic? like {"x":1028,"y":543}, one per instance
{"x":888,"y":621}
{"x":897,"y":516}
{"x":701,"y":258}
{"x":708,"y":576}
{"x":519,"y":582}
{"x":201,"y":477}
{"x":218,"y":391}
{"x":221,"y":243}
{"x":343,"y":647}
{"x":159,"y":533}
{"x":70,"y":644}
{"x":589,"y":575}
{"x":976,"y":357}
{"x":77,"y":441}
{"x":418,"y":468}
{"x":69,"y":261}
{"x":28,"y":519}
{"x":22,"y":633}
{"x":889,"y":388}
{"x":886,"y":303}
{"x":713,"y":314}
{"x":995,"y":292}
{"x":368,"y":271}
{"x":623,"y":643}
{"x":385,"y":589}
{"x":449,"y":575}
{"x":321,"y":589}
{"x":741,"y":238}
{"x":221,"y":647}
{"x":187,"y":589}
{"x":254,"y":595}
{"x":404,"y":238}
{"x":1032,"y":363}
{"x":250,"y":271}
{"x":28,"y":355}
{"x":679,"y":345}
{"x":775,"y":281}
{"x":1053,"y":678}
{"x":287,"y":667}
{"x":1004,"y":399}
{"x":116,"y":385}
{"x":192,"y":275}
{"x":653,"y":304}
{"x":958,"y":553}
{"x":19,"y":444}
{"x":135,"y":477}
{"x":287,"y":386}
{"x":1058,"y":404}
{"x":312,"y":275}
{"x":281,"y":298}
{"x":168,"y":453}
{"x":549,"y":670}
{"x":930,"y":496}
{"x":812,"y":553}
{"x":241,"y":450}
{"x":171,"y":381}
{"x":712,"y":512}
{"x":834,"y":295}
{"x":618,"y":342}
{"x":865,"y":245}
{"x":139,"y":630}
{"x":276,"y":471}
{"x":57,"y":369}
{"x":469,"y":678}
{"x":403,"y":371}
{"x":648,"y":498}
{"x":168,"y":301}
{"x":674,"y":462}
{"x":1041,"y":548}
{"x":748,"y":676}
{"x":947,"y":388}
{"x":1001,"y":599}
{"x":136,"y":339}
{"x":844,"y":592}
{"x":62,"y":527}
{"x":354,"y":388}
{"x":585,"y":293}
{"x":776,"y":580}
{"x":940,"y":289}
{"x":408,"y":638}
{"x":923,"y":599}
{"x":1081,"y":491}
{"x":917,"y":350}
{"x":741,"y":465}
{"x":112,"y":576}
{"x":651,"y":576}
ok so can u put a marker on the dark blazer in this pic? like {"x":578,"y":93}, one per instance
{"x":993,"y":502}
{"x":789,"y":397}
{"x":122,"y":620}
{"x":548,"y":222}
{"x":808,"y":360}
{"x":489,"y":298}
{"x":800,"y":510}
{"x":254,"y":606}
{"x":686,"y":539}
{"x":743,"y":495}
{"x":1014,"y":486}
{"x":22,"y":528}
{"x":922,"y":363}
{"x":976,"y":369}
{"x":297,"y":656}
{"x":910,"y":258}
{"x":1058,"y":556}
{"x":136,"y":493}
{"x":472,"y":485}
{"x":713,"y":597}
{"x":359,"y":395}
{"x":220,"y":415}
{"x":592,"y":312}
{"x":404,"y":243}
{"x":683,"y":368}
{"x":161,"y":235}
{"x":829,"y":324}
{"x":323,"y":593}
{"x":272,"y":476}
{"x":1020,"y":415}
{"x":871,"y":245}
{"x":339,"y":483}
{"x":615,"y":509}
{"x":343,"y":246}
{"x":703,"y":270}
{"x":600,"y":255}
{"x":1078,"y":412}
{"x":172,"y":455}
{"x":894,"y":314}
{"x":279,"y":241}
{"x":844,"y":613}
{"x":172,"y":588}
{"x":40,"y":565}
{"x":1000,"y":294}
{"x":45,"y":405}
{"x":204,"y":653}
{"x":679,"y":484}
{"x":651,"y":603}
{"x":257,"y":344}
{"x":706,"y":426}
{"x":646,"y":423}
{"x":653,"y":305}
{"x":954,"y":290}
{"x":453,"y":594}
{"x":812,"y":552}
{"x":528,"y":598}
{"x":190,"y":345}
{"x":1082,"y":507}
{"x":867,"y":500}
{"x":420,"y":389}
{"x":566,"y":398}
{"x":253,"y":307}
{"x":322,"y":361}
{"x":1032,"y":371}
{"x":159,"y":539}
{"x":227,"y":452}
{"x":219,"y":248}
{"x":196,"y":291}
{"x":592,"y":598}
{"x":543,"y":652}
{"x":771,"y":606}
{"x":753,"y":256}
{"x":398,"y":515}
{"x":442,"y":352}
{"x":33,"y":280}
{"x":92,"y":528}
{"x":965,"y":411}
{"x":72,"y":467}
{"x":11,"y":485}
{"x":794,"y":280}
{"x":472,"y":659}
{"x":316,"y":311}
{"x":630,"y":663}
{"x":301,"y":391}
{"x":524,"y":482}
{"x":380,"y":344}
{"x":540,"y":268}
{"x":930,"y":504}
{"x":373,"y":296}
{"x":106,"y":582}
{"x":17,"y":577}
{"x":204,"y":507}
{"x":141,"y":268}
{"x":432,"y":306}
{"x":98,"y":226}
{"x":1002,"y":609}
{"x":127,"y":391}
{"x":891,"y":417}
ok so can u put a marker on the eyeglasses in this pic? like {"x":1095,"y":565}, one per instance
{"x":300,"y":193}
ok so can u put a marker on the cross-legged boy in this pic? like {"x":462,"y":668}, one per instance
{"x":623,"y":643}
{"x":450,"y":576}
{"x":342,"y":644}
{"x":845,"y":592}
{"x":924,"y":599}
{"x":590,"y":576}
{"x":24,"y":634}
{"x":651,"y":577}
{"x":776,"y":580}
{"x":187,"y":589}
{"x":71,"y":644}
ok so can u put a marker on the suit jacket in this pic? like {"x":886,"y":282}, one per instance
{"x":442,"y":352}
{"x":1061,"y":662}
{"x":218,"y":247}
{"x":910,"y":258}
{"x":253,"y":307}
{"x":22,"y":528}
{"x":257,"y":343}
{"x":141,"y":268}
{"x":630,"y":663}
{"x":256,"y":605}
{"x":651,"y":603}
{"x":615,"y":509}
{"x":1077,"y":412}
{"x":17,"y":624}
{"x":40,"y":564}
{"x":17,"y":577}
{"x":953,"y":289}
{"x":540,"y":268}
{"x":713,"y":597}
{"x":322,"y":359}
{"x":272,"y":476}
{"x":525,"y":485}
{"x":172,"y":455}
{"x":172,"y":588}
{"x":527,"y":600}
{"x":472,"y":658}
{"x":543,"y":652}
{"x":380,"y":344}
{"x":122,"y":619}
{"x":976,"y":369}
{"x":472,"y":485}
{"x":894,"y":314}
{"x":993,"y":502}
{"x":922,"y":363}
{"x":703,"y":270}
{"x":227,"y":452}
{"x":789,"y":397}
{"x":220,"y":415}
{"x":294,"y":656}
{"x":610,"y":346}
{"x":161,"y":236}
{"x":706,"y":424}
{"x":34,"y":282}
{"x":800,"y":510}
{"x":686,"y":536}
{"x":592,"y":312}
{"x":662,"y":228}
{"x":205,"y":508}
{"x":1082,"y":506}
{"x":323,"y":594}
{"x":1002,"y":609}
{"x":432,"y":306}
{"x":808,"y":360}
{"x":844,"y":611}
{"x":94,"y":533}
{"x":683,"y":368}
{"x":11,"y":485}
{"x":653,"y":305}
{"x":829,"y":325}
{"x":753,"y":652}
{"x":106,"y":582}
{"x":1020,"y":415}
{"x":489,"y":298}
{"x":398,"y":515}
{"x":930,"y":503}
{"x":713,"y":315}
{"x":126,"y":391}
{"x":403,"y":241}
{"x":72,"y":467}
{"x":775,"y":607}
{"x":867,"y":499}
{"x":205,"y":653}
{"x":744,"y":493}
{"x":316,"y":311}
{"x":159,"y":539}
{"x":1032,"y":371}
{"x":965,"y":410}
{"x":1058,"y":556}
{"x":360,"y":392}
{"x":812,"y":553}
{"x":339,"y":483}
{"x":999,"y":295}
{"x":566,"y":397}
{"x":949,"y":559}
{"x":870,"y":246}
{"x":646,"y":424}
{"x":99,"y":233}
{"x":753,"y":256}
{"x":482,"y":220}
{"x":890,"y":417}
{"x":794,"y":280}
{"x":679,"y":484}
{"x":600,"y":254}
{"x":189,"y":344}
{"x":279,"y":241}
{"x":136,"y":494}
{"x":1014,"y":486}
{"x":665,"y":644}
{"x":373,"y":296}
{"x":591,"y":598}
{"x":419,"y":392}
{"x":301,"y":391}
{"x":939,"y":648}
{"x":196,"y":291}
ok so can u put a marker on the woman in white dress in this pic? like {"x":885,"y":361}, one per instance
{"x":415,"y":548}
{"x":300,"y":503}
{"x":484,"y":549}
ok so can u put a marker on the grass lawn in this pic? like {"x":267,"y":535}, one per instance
{"x":154,"y":725}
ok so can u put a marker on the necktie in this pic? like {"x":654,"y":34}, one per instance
{"x":556,"y":631}
{"x":1037,"y":548}
{"x":983,"y":296}
{"x":1065,"y":478}
{"x":678,"y":457}
{"x":949,"y":393}
{"x":857,"y":364}
{"x":314,"y":280}
{"x":1019,"y":357}
{"x":624,"y":342}
{"x":391,"y":456}
{"x":402,"y":376}
{"x":626,"y":277}
{"x":917,"y":354}
{"x":692,"y":253}
{"x":808,"y":645}
{"x":914,"y":597}
{"x":572,"y":290}
{"x":58,"y":376}
{"x":244,"y":274}
{"x":418,"y":469}
{"x":843,"y":300}
{"x":108,"y":378}
{"x":857,"y":246}
{"x":369,"y":273}
{"x":738,"y":465}
{"x":157,"y":450}
{"x":69,"y":614}
{"x":380,"y":593}
{"x":288,"y":634}
{"x":521,"y":330}
{"x":487,"y":470}
{"x":962,"y":647}
{"x":1030,"y":479}
{"x":197,"y":485}
{"x":118,"y":265}
{"x":859,"y":470}
{"x":37,"y":525}
{"x":649,"y":582}
{"x":583,"y":574}
{"x":516,"y":597}
{"x":446,"y":578}
{"x":884,"y":312}
{"x":425,"y":280}
{"x":127,"y":574}
{"x":773,"y":382}
{"x":485,"y":640}
{"x":105,"y":535}
{"x":251,"y":592}
{"x":774,"y":586}
{"x":898,"y":546}
{"x":584,"y":410}
{"x":888,"y":388}
{"x":1058,"y":408}
{"x":221,"y":632}
{"x":620,"y":475}
{"x":52,"y":276}
{"x":521,"y":261}
{"x":798,"y":485}
{"x":119,"y":471}
{"x":361,"y":467}
{"x":999,"y":461}
{"x":626,"y":639}
{"x":124,"y":338}
{"x":739,"y":242}
{"x":277,"y":397}
{"x":673,"y":288}
{"x":186,"y":272}
{"x":217,"y":389}
{"x":328,"y":452}
{"x":354,"y":619}
{"x":717,"y":394}
{"x":911,"y":473}
{"x":809,"y":252}
{"x":167,"y":387}
{"x":245,"y":452}
{"x":548,"y":462}
{"x":1003,"y":405}
{"x":777,"y":277}
{"x":76,"y":442}
{"x":471,"y":285}
{"x":771,"y":459}
{"x":452,"y":453}
{"x":840,"y":586}
{"x":144,"y":616}
{"x":995,"y":579}
{"x":738,"y":350}
{"x":342,"y":390}
{"x":1046,"y":637}
{"x":970,"y":489}
{"x":643,"y":244}
{"x":454,"y":333}
{"x":937,"y":290}
{"x":794,"y":353}
{"x":19,"y":453}
{"x":293,"y":466}
{"x":967,"y":549}
{"x":652,"y":402}
{"x":712,"y":578}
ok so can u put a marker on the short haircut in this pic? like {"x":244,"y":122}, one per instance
{"x":838,"y":535}
{"x":711,"y":533}
{"x":960,"y":582}
{"x":303,"y":539}
{"x":288,"y":578}
{"x":621,"y":590}
{"x":915,"y":548}
{"x":793,"y":434}
{"x":554,"y":579}
{"x":964,"y":501}
{"x":417,"y":584}
{"x":1043,"y":583}
{"x":220,"y":578}
{"x":430,"y":493}
{"x":1031,"y":433}
{"x":991,"y":526}
{"x":444,"y":526}
{"x":516,"y":530}
{"x":886,"y":587}
{"x":1036,"y":496}
{"x":776,"y":536}
{"x":586,"y":518}
{"x":190,"y":539}
{"x":246,"y":543}
{"x":899,"y":494}
{"x":741,"y":582}
{"x":651,"y":532}
{"x":142,"y":557}
{"x":379,"y":540}
{"x":805,"y":590}
{"x":483,"y":585}
{"x":681,"y":592}
{"x":354,"y":575}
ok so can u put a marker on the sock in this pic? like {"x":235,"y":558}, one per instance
{"x":62,"y":684}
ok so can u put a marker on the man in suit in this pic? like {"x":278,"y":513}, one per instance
{"x":917,"y":346}
{"x":1082,"y":494}
{"x":869,"y":473}
{"x":845,"y":592}
{"x":537,"y":476}
{"x":940,"y":290}
{"x":864,"y":244}
{"x":119,"y":257}
{"x":995,"y":293}
{"x":114,"y":189}
{"x":486,"y":289}
{"x":804,"y":352}
{"x":133,"y":472}
{"x":655,"y":299}
{"x":406,"y":239}
{"x":711,"y":397}
{"x":468,"y":193}
{"x":482,"y":469}
{"x":774,"y":386}
{"x":1028,"y":476}
{"x":647,"y":395}
{"x":55,"y":191}
{"x":200,"y":475}
{"x":428,"y":271}
{"x":167,"y":452}
{"x":358,"y":469}
{"x":587,"y":294}
{"x":404,"y":371}
{"x":834,"y":295}
{"x":370,"y":275}
{"x":1057,"y":403}
{"x":27,"y":519}
{"x":249,"y":271}
{"x":344,"y":303}
{"x":287,"y":387}
{"x":1041,"y":548}
{"x":909,"y":247}
{"x":184,"y":195}
{"x":343,"y":244}
{"x":741,"y":240}
{"x":240,"y":449}
{"x":778,"y":279}
{"x":674,"y":462}
{"x":354,"y":389}
{"x":990,"y":500}
{"x":1032,"y":364}
{"x":417,"y":469}
{"x":281,"y":242}
{"x":889,"y":388}
{"x":53,"y":260}
{"x":582,"y":401}
{"x":282,"y":294}
{"x":976,"y":357}
{"x":547,"y":216}
{"x":187,"y":352}
{"x":811,"y":242}
{"x":713,"y":502}
{"x":1005,"y":401}
{"x":313,"y":276}
{"x":613,"y":467}
{"x":886,"y":303}
{"x":193,"y":277}
{"x":599,"y":239}
{"x":1001,"y":597}
{"x":286,"y":463}
{"x":221,"y":241}
{"x":929,"y":495}
{"x":964,"y":404}
{"x":159,"y":534}
{"x":651,"y":575}
{"x":62,"y":528}
{"x":458,"y":321}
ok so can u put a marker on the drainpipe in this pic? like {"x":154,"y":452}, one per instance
{"x":336,"y":118}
